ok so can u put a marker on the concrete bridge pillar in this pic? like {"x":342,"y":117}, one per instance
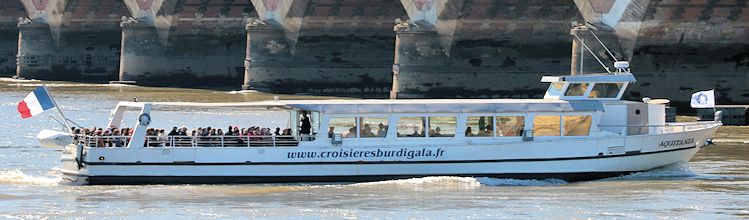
{"x":35,"y":49}
{"x":38,"y":40}
{"x":266,"y":47}
{"x":62,"y":40}
{"x":159,"y":47}
{"x":422,"y":46}
{"x":139,"y":43}
{"x":247,"y":61}
{"x":418,"y":53}
{"x":273,"y":35}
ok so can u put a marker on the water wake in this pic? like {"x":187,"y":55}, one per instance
{"x":518,"y":182}
{"x":16,"y":177}
{"x":241,"y":92}
{"x":464,"y":182}
{"x":8,"y":79}
{"x":670,"y":171}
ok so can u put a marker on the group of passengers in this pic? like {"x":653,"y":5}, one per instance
{"x":366,"y":131}
{"x":113,"y":137}
{"x":435,"y":132}
{"x":208,"y":136}
{"x":234,"y":135}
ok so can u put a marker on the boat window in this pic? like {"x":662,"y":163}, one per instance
{"x":546,"y":125}
{"x":346,"y":126}
{"x":556,"y":89}
{"x":605,"y":90}
{"x":373,"y":127}
{"x":411,"y":126}
{"x":479,"y":126}
{"x":576,"y":89}
{"x":577,"y":125}
{"x":442,"y":126}
{"x":508,"y":126}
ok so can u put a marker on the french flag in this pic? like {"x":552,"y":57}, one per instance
{"x":36,"y":102}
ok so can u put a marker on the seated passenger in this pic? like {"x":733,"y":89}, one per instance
{"x":173,"y":132}
{"x":416,"y":133}
{"x":182,"y":131}
{"x":367,"y":131}
{"x":351,"y":132}
{"x":469,"y":133}
{"x":162,"y":138}
{"x":488,"y":131}
{"x":117,"y":140}
{"x":437,"y":132}
{"x":381,"y":130}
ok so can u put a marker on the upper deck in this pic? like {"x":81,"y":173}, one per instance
{"x":386,"y":106}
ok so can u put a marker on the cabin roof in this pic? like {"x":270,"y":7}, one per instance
{"x":591,"y":78}
{"x":374,"y":106}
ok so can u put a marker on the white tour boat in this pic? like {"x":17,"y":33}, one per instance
{"x":580,"y":130}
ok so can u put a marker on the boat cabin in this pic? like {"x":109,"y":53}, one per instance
{"x":587,"y":87}
{"x":573,"y":107}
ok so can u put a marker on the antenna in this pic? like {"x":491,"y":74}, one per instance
{"x":591,"y":52}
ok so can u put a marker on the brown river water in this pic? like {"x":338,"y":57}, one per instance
{"x":714,"y":185}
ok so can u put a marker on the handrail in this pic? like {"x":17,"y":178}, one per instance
{"x":662,"y":129}
{"x":196,"y":141}
{"x":656,"y":126}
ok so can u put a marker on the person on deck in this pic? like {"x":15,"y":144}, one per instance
{"x":306,"y":124}
{"x":173,"y":132}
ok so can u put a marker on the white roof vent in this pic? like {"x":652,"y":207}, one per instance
{"x":621,"y":66}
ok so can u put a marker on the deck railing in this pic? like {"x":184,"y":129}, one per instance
{"x":198,"y":141}
{"x":660,"y":129}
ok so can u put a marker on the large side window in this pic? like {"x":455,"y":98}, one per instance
{"x":346,"y":126}
{"x":412,"y":126}
{"x":373,"y":127}
{"x":577,"y":125}
{"x":576,"y":89}
{"x":442,"y":126}
{"x":479,"y":126}
{"x":510,"y":126}
{"x":555,"y":88}
{"x":605,"y":90}
{"x":546,"y":125}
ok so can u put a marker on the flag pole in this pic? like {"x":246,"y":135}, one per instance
{"x":715,"y":110}
{"x":67,"y":124}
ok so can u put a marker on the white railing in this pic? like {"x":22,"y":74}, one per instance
{"x":659,"y":129}
{"x":197,"y":141}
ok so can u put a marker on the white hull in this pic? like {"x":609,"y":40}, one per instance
{"x":568,"y":159}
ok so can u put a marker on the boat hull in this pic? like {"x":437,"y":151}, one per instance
{"x":568,"y":169}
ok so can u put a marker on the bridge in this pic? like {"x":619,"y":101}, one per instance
{"x":401,"y":48}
